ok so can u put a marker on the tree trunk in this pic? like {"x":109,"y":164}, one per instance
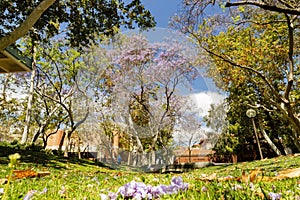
{"x":190,"y":154}
{"x":136,"y":135}
{"x":78,"y":147}
{"x":30,"y":98}
{"x":269,"y":141}
{"x":152,"y":158}
{"x":44,"y":124}
{"x":296,"y":136}
{"x":115,"y":146}
{"x":272,"y":145}
{"x":234,"y":158}
{"x":154,"y":141}
{"x":4,"y":87}
{"x":66,"y":151}
{"x":134,"y":158}
{"x":296,"y":125}
{"x":37,"y":134}
{"x":129,"y":160}
{"x":73,"y":128}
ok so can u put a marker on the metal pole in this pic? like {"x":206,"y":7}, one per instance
{"x":260,"y":152}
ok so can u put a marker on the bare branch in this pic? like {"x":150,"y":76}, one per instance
{"x":260,"y":23}
{"x":290,"y":58}
{"x":285,"y":3}
{"x":260,"y":106}
{"x":228,"y":60}
{"x":288,"y":10}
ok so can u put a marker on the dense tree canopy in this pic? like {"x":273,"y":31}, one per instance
{"x":80,"y":20}
{"x":80,"y":23}
{"x":253,"y":48}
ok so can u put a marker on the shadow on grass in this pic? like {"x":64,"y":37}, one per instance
{"x":276,"y":164}
{"x":36,"y":155}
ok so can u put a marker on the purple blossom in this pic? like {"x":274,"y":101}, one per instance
{"x":62,"y":191}
{"x":45,"y":190}
{"x":139,"y":190}
{"x":96,"y":180}
{"x":252,"y":186}
{"x":204,"y":189}
{"x":111,"y":195}
{"x":274,"y":196}
{"x":155,"y":192}
{"x":29,"y":194}
{"x":178,"y":181}
{"x":237,"y":187}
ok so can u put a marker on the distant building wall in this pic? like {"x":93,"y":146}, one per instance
{"x":194,"y":159}
{"x":196,"y":155}
{"x":55,"y":140}
{"x":58,"y":141}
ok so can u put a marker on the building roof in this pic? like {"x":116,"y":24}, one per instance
{"x":11,"y":61}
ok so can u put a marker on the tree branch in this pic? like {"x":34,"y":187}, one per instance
{"x":260,"y":106}
{"x":19,"y":32}
{"x":285,"y":3}
{"x":228,"y":60}
{"x":290,"y":59}
{"x":288,"y":10}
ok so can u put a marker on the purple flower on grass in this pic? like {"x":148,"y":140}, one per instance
{"x":177,"y":181}
{"x":155,"y":192}
{"x":237,"y":187}
{"x":45,"y":190}
{"x":204,"y":189}
{"x":274,"y":196}
{"x":252,"y":186}
{"x":29,"y":194}
{"x":165,"y":189}
{"x":129,"y":189}
{"x":111,"y":195}
{"x":96,"y":180}
{"x":63,"y":191}
{"x":139,"y":190}
{"x":106,"y":197}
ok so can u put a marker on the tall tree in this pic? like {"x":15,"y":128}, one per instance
{"x":62,"y":81}
{"x":144,"y":86}
{"x":257,"y":41}
{"x":80,"y":21}
{"x":30,"y":96}
{"x":11,"y":105}
{"x":189,"y":132}
{"x":216,"y":117}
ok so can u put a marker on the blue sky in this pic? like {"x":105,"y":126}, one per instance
{"x":205,"y":91}
{"x":162,"y":10}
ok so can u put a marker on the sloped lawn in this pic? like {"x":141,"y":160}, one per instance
{"x":83,"y":179}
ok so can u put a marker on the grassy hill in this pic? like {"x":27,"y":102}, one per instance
{"x":276,"y":178}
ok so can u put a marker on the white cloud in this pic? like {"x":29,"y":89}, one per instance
{"x":203,"y":100}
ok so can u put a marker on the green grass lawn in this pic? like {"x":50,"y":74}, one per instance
{"x":83,"y":179}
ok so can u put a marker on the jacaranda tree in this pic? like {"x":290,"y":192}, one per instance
{"x":144,"y":80}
